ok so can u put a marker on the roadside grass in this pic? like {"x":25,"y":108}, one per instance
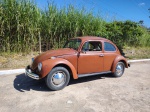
{"x":137,"y":53}
{"x":21,"y":60}
{"x":15,"y":60}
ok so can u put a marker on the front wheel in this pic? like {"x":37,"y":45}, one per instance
{"x":58,"y":78}
{"x":119,"y":70}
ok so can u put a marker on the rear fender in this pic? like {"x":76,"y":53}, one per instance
{"x":117,"y":59}
{"x":49,"y":64}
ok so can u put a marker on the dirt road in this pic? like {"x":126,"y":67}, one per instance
{"x":129,"y":93}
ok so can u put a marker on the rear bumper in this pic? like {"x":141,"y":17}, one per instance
{"x":29,"y":73}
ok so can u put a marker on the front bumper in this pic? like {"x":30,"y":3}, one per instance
{"x":29,"y":73}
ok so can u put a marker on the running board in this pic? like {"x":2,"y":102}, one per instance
{"x":92,"y":74}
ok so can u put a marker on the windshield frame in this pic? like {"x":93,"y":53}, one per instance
{"x":76,"y":41}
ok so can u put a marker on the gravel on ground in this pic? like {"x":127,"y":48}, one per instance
{"x":102,"y":93}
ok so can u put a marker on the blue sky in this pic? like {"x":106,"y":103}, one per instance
{"x":134,"y":10}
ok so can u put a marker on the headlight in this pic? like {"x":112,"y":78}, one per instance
{"x":39,"y":66}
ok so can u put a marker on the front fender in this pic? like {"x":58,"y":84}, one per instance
{"x":117,"y":59}
{"x":49,"y":64}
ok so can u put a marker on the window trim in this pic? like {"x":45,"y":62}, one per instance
{"x":111,"y":44}
{"x":92,"y":41}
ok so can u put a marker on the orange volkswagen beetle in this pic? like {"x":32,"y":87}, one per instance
{"x":80,"y":57}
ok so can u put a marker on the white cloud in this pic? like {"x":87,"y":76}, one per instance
{"x":141,"y":4}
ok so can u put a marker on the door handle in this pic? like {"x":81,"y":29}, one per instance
{"x":101,"y":55}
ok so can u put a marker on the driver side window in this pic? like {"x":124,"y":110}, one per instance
{"x":92,"y":46}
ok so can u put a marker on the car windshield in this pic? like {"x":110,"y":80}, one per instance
{"x":73,"y":43}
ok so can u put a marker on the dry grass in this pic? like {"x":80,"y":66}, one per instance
{"x":14,"y":60}
{"x":137,"y":53}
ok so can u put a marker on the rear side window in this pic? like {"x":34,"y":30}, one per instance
{"x":92,"y":46}
{"x":109,"y":47}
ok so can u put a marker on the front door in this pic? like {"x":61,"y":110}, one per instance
{"x":90,"y":59}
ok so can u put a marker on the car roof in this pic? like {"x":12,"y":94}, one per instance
{"x":86,"y":38}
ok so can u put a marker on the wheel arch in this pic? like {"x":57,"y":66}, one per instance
{"x":125,"y":63}
{"x":48,"y":65}
{"x":119,"y":59}
{"x":65,"y":66}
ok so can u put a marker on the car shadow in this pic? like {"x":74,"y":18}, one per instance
{"x":89,"y":78}
{"x":24,"y":83}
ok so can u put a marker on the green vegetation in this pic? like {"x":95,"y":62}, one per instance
{"x":22,"y":23}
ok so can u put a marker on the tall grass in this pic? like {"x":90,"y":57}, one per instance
{"x":19,"y":23}
{"x":145,"y":38}
{"x":60,"y":25}
{"x":22,"y":23}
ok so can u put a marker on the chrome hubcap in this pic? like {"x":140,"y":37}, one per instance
{"x":58,"y":78}
{"x":119,"y":69}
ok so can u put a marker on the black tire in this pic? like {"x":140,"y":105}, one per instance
{"x":58,"y":78}
{"x":119,"y":70}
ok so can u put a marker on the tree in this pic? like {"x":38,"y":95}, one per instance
{"x":124,"y":33}
{"x":141,"y":22}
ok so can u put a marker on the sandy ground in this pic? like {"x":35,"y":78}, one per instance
{"x":129,"y":93}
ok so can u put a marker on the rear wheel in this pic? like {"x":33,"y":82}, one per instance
{"x":58,"y":78}
{"x":119,"y":70}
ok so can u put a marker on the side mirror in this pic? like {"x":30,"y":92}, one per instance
{"x":83,"y":51}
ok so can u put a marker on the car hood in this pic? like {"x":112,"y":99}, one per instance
{"x":51,"y":53}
